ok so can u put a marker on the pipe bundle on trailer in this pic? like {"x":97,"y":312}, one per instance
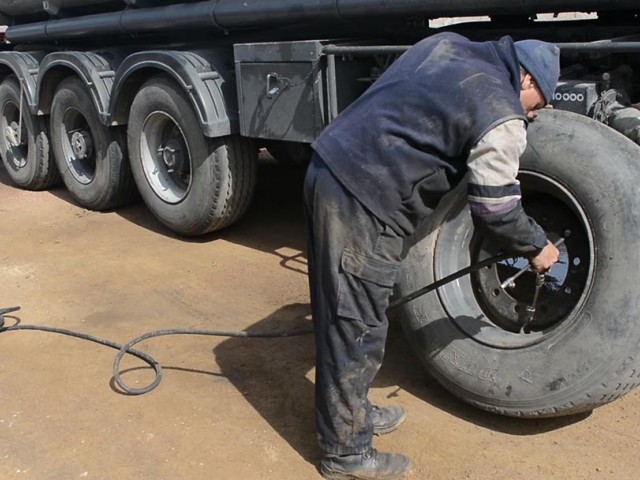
{"x":20,"y":8}
{"x":28,"y":8}
{"x":225,"y":16}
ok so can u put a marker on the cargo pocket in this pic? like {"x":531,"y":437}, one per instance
{"x":364,"y":287}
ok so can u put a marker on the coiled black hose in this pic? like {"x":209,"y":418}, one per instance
{"x":148,"y":359}
{"x":126,"y":348}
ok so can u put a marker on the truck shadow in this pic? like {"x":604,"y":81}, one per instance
{"x":276,"y":377}
{"x":274,"y":222}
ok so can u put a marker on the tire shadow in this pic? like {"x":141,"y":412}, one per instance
{"x":402,"y":368}
{"x":273,"y":222}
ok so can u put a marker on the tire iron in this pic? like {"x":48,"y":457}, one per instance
{"x":530,"y":310}
{"x":511,"y":281}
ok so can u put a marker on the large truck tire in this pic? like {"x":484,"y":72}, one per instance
{"x":91,"y":157}
{"x":192,"y":184}
{"x":579,"y":181}
{"x":24,"y":146}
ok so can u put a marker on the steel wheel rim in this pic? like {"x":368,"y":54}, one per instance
{"x":78,"y":146}
{"x":18,"y":152}
{"x":473,"y":303}
{"x":165,"y":157}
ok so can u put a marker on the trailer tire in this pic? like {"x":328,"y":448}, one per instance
{"x":192,"y":184}
{"x":91,"y":157}
{"x":583,"y":350}
{"x":26,"y":157}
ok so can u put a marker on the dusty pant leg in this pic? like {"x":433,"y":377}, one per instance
{"x":353,"y":263}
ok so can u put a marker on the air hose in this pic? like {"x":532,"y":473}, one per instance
{"x":148,"y":359}
{"x":126,"y":348}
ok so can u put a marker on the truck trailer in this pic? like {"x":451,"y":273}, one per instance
{"x":171,"y":101}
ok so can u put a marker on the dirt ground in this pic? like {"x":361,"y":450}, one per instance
{"x":227,"y":408}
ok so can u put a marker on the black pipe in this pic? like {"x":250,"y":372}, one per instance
{"x":228,"y":15}
{"x":365,"y":50}
{"x":18,"y":8}
{"x":586,"y":47}
{"x":177,"y":17}
{"x":600,"y":47}
{"x":100,"y":24}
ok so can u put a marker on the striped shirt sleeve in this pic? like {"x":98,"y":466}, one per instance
{"x":494,"y":191}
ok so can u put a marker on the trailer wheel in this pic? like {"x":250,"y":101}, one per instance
{"x":579,"y":182}
{"x":191,"y":183}
{"x":24,"y":145}
{"x":90,"y":156}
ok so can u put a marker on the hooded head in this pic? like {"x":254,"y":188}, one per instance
{"x":542,"y":61}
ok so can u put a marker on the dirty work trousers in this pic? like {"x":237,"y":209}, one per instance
{"x":354,"y":261}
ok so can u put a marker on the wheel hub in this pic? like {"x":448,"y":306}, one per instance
{"x":165,"y":157}
{"x":172,"y":155}
{"x":12,"y":134}
{"x":564,"y":282}
{"x":493,"y":315}
{"x":81,"y":144}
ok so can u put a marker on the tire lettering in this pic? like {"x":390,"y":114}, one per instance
{"x":419,"y":315}
{"x":628,"y":362}
{"x":574,"y":377}
{"x":488,"y":375}
{"x":471,"y":368}
{"x":526,"y":376}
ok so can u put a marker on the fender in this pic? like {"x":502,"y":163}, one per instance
{"x":207,"y":78}
{"x":96,"y":70}
{"x":26,"y":66}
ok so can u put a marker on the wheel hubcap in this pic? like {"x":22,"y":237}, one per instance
{"x":77,"y":146}
{"x":81,"y":144}
{"x":17,"y":142}
{"x":172,"y":156}
{"x":15,"y":137}
{"x":165,"y":157}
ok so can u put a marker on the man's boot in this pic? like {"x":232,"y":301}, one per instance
{"x":386,"y":419}
{"x":371,"y":465}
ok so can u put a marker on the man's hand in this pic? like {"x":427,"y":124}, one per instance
{"x":545,"y":259}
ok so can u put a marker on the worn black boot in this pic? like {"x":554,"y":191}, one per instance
{"x":386,"y":419}
{"x":371,"y":465}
